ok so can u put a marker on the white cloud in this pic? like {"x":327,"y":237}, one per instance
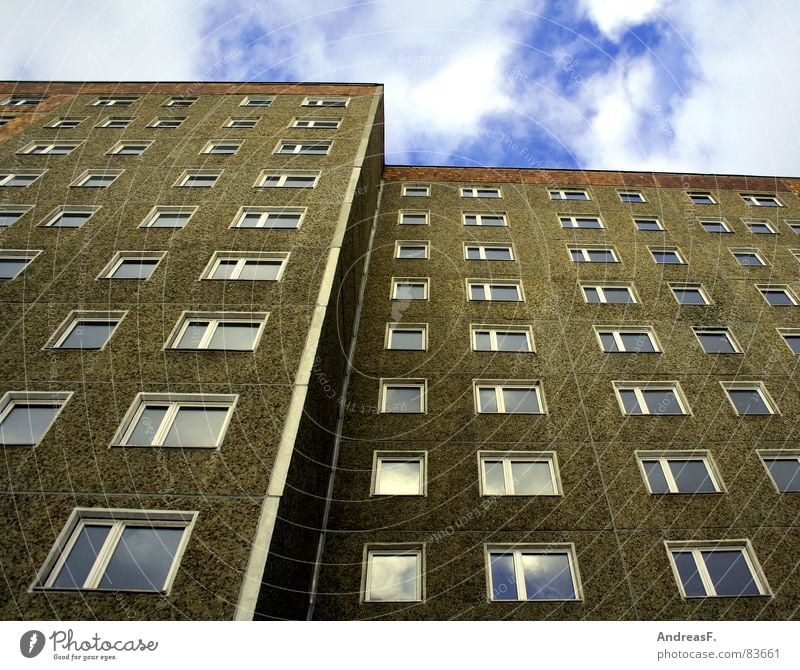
{"x":613,"y":17}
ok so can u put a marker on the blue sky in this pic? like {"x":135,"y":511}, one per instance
{"x":599,"y":84}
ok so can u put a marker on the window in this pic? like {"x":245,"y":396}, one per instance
{"x":777,"y":295}
{"x":792,"y":338}
{"x":403,"y":396}
{"x":508,"y":397}
{"x":647,"y":223}
{"x":410,"y":288}
{"x":269,"y":217}
{"x":115,"y":122}
{"x":198,"y":178}
{"x":716,"y":340}
{"x":631,"y":196}
{"x":14,"y":261}
{"x":180,"y":101}
{"x":326,"y":102}
{"x":130,"y":147}
{"x":580,"y":222}
{"x":532,"y":572}
{"x":416,"y":190}
{"x":783,"y":467}
{"x":315,"y":122}
{"x":10,"y":214}
{"x":795,"y":254}
{"x":407,"y":336}
{"x":760,"y":226}
{"x":68,"y":217}
{"x":246,"y":266}
{"x":715,"y":226}
{"x":50,"y":148}
{"x":217,"y":331}
{"x":517,"y":339}
{"x":495,"y":290}
{"x":409,"y":249}
{"x":116,"y":101}
{"x":667,"y":255}
{"x":488,"y":252}
{"x":592,"y":255}
{"x":20,"y":178}
{"x":393,"y":573}
{"x":748,"y":256}
{"x":242,"y":122}
{"x":480,"y":192}
{"x":287,"y":179}
{"x":167,"y":122}
{"x":794,"y":224}
{"x":25,"y":416}
{"x":117,"y":550}
{"x":304,"y":147}
{"x":4,"y":119}
{"x":132,"y":265}
{"x":633,"y":340}
{"x":761,"y":200}
{"x":399,"y":473}
{"x":23,"y":100}
{"x":170,"y":420}
{"x":495,"y":219}
{"x":257,"y":101}
{"x":679,"y":472}
{"x":749,"y":398}
{"x":222,"y":147}
{"x":690,"y":294}
{"x":519,"y":473}
{"x":409,"y":217}
{"x":701,"y":198}
{"x":609,"y":293}
{"x":718,"y":568}
{"x":85,"y":330}
{"x":569,"y":194}
{"x":97,"y":178}
{"x":650,"y":398}
{"x":164,"y":216}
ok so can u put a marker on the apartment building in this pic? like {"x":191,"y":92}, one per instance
{"x":251,"y":371}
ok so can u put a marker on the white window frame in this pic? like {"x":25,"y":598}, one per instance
{"x":114,"y":101}
{"x":704,"y":194}
{"x":417,"y":383}
{"x":483,"y":246}
{"x":242,"y":257}
{"x":409,"y":187}
{"x":121,"y":256}
{"x":493,"y":330}
{"x":793,"y":224}
{"x":665,"y":250}
{"x":602,"y":286}
{"x":214,"y":319}
{"x":66,"y":327}
{"x":283,"y":176}
{"x":473,"y":192}
{"x":158,"y":210}
{"x":208,"y":149}
{"x":700,"y":330}
{"x":57,"y":123}
{"x":12,"y":398}
{"x":789,"y":332}
{"x":639,"y":386}
{"x":21,"y":210}
{"x":718,"y":220}
{"x":28,"y":255}
{"x":82,"y":181}
{"x":690,"y":287}
{"x":425,"y":281}
{"x":572,"y":221}
{"x":186,"y":175}
{"x":110,"y":120}
{"x":401,"y":214}
{"x":639,"y":219}
{"x":641,"y":197}
{"x":174,"y":401}
{"x":663,"y":457}
{"x":752,"y":251}
{"x":795,"y":254}
{"x":399,"y":244}
{"x":23,"y":100}
{"x":617,"y":331}
{"x":752,"y":199}
{"x":586,"y":248}
{"x":299,"y":145}
{"x":326,"y":101}
{"x":550,"y":457}
{"x":499,"y":384}
{"x":755,"y":386}
{"x":391,"y":327}
{"x":480,"y":216}
{"x":312,"y":122}
{"x":393,"y":549}
{"x":561,"y":194}
{"x":50,"y":220}
{"x":167,"y":122}
{"x":6,"y":177}
{"x":176,"y":100}
{"x":698,"y":546}
{"x":778,"y":287}
{"x":116,"y":150}
{"x":233,"y":120}
{"x":517,"y":550}
{"x":488,"y":283}
{"x":379,"y":456}
{"x":119,"y":519}
{"x":780,"y":455}
{"x":265,"y":213}
{"x":257,"y":101}
{"x":49,"y":145}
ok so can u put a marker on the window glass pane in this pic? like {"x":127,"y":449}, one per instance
{"x":82,"y":557}
{"x":661,"y":401}
{"x":196,"y":427}
{"x":629,"y":401}
{"x":142,"y":558}
{"x":520,"y":400}
{"x":500,"y":292}
{"x":399,"y":477}
{"x":748,"y":401}
{"x":261,"y":270}
{"x":716,"y":343}
{"x":655,"y":477}
{"x":224,"y":269}
{"x":473,"y":253}
{"x":609,"y":343}
{"x":10,"y":267}
{"x":592,"y":294}
{"x":532,"y":477}
{"x":504,"y":581}
{"x":689,"y":296}
{"x":88,"y":335}
{"x":415,"y":219}
{"x":785,"y":472}
{"x":192,"y":335}
{"x":412,"y":252}
{"x":512,"y":342}
{"x":130,"y":269}
{"x":497,"y":254}
{"x":477,"y":292}
{"x":409,"y":291}
{"x":618,"y":295}
{"x":777,"y":297}
{"x":406,"y":339}
{"x":7,"y":218}
{"x":170,"y":220}
{"x":547,"y":576}
{"x":26,"y":423}
{"x":494,"y":482}
{"x":70,"y":220}
{"x":687,"y":569}
{"x":748,"y":259}
{"x":601,"y":256}
{"x":234,"y":336}
{"x":483,"y":341}
{"x":691,"y":476}
{"x":637,"y":342}
{"x":730,"y":573}
{"x":403,"y":399}
{"x":587,"y":223}
{"x":393,"y":577}
{"x":149,"y":422}
{"x":487,"y":400}
{"x":647,"y":224}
